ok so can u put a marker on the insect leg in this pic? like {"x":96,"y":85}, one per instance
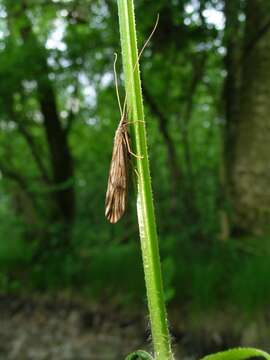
{"x":127,"y":141}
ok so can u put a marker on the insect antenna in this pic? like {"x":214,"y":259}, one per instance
{"x":122,"y":111}
{"x":116,"y":84}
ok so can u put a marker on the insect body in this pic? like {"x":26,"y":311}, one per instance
{"x":116,"y":195}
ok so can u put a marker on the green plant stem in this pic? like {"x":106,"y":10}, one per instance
{"x":145,"y":207}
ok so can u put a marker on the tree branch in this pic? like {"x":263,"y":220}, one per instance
{"x":171,"y":151}
{"x":198,"y":71}
{"x":261,"y":32}
{"x":72,"y":112}
{"x":34,"y":151}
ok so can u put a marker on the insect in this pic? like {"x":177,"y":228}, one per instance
{"x":116,"y":195}
{"x":117,"y":189}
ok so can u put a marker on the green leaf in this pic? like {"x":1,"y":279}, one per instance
{"x":237,"y":354}
{"x":139,"y":355}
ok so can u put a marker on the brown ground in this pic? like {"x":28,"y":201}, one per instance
{"x":60,"y":330}
{"x":50,"y":329}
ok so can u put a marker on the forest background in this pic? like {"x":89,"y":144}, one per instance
{"x":206,"y":89}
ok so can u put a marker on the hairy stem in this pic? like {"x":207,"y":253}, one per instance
{"x":145,"y":206}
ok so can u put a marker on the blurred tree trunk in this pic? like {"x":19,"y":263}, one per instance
{"x":232,"y":83}
{"x":249,"y":131}
{"x":62,"y":198}
{"x":61,"y":159}
{"x":232,"y":40}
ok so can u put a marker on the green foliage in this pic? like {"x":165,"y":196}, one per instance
{"x":231,"y":276}
{"x":237,"y":354}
